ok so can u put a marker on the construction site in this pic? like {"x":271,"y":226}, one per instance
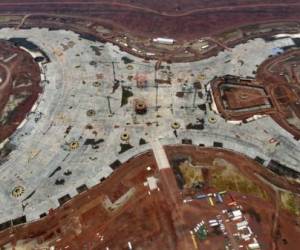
{"x":149,"y":125}
{"x":147,"y":209}
{"x":276,"y":92}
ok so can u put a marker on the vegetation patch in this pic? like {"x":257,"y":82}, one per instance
{"x":125,"y":147}
{"x":192,"y":175}
{"x":96,"y":50}
{"x":290,"y":202}
{"x":225,"y":176}
{"x":127,"y":60}
{"x":142,"y":141}
{"x":126,"y":93}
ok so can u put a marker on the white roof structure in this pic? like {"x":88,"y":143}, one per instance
{"x":152,"y":183}
{"x":160,"y":155}
{"x":164,"y":40}
{"x":237,"y":213}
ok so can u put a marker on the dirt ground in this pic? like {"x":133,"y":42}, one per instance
{"x":166,"y":18}
{"x":244,"y":98}
{"x":275,"y":92}
{"x":221,"y":24}
{"x":259,"y":199}
{"x":239,"y":99}
{"x":281,"y":77}
{"x":20,"y":87}
{"x":123,"y":209}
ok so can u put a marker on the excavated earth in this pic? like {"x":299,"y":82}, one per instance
{"x":19,"y":86}
{"x":123,"y":209}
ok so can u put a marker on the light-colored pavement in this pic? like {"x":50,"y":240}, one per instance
{"x":160,"y":155}
{"x":80,"y":78}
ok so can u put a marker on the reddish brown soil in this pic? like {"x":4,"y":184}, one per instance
{"x":20,"y":81}
{"x":281,"y":76}
{"x":179,"y":19}
{"x":244,"y":98}
{"x":269,"y":235}
{"x":5,"y":84}
{"x":155,"y":220}
{"x":140,"y":20}
{"x":242,"y":101}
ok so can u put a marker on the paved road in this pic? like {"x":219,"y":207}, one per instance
{"x":160,"y":155}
